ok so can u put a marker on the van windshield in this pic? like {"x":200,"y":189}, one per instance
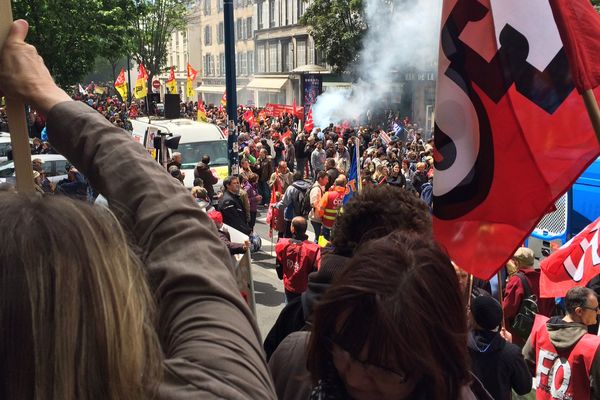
{"x":7,"y":168}
{"x":191,"y":153}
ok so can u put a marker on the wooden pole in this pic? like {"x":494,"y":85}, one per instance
{"x":17,"y":122}
{"x":470,"y":289}
{"x":593,"y":111}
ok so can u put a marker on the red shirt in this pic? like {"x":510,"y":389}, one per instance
{"x":297,"y":259}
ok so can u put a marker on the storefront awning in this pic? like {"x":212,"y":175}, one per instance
{"x":337,"y":84}
{"x":267,"y":84}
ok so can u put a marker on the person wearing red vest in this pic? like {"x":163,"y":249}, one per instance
{"x":330,"y":204}
{"x":566,"y":357}
{"x":296,"y":257}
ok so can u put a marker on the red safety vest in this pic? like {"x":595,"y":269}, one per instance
{"x":562,"y":374}
{"x":335,"y":200}
{"x":298,"y":259}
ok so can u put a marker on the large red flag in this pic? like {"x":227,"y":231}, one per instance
{"x":512,"y":133}
{"x":309,"y":124}
{"x":574,"y":264}
{"x":249,"y":118}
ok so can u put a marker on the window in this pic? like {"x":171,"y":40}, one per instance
{"x":260,"y":60}
{"x":221,"y":64}
{"x":310,"y":52}
{"x":176,"y":39}
{"x":300,"y":8}
{"x":238,"y":29}
{"x":271,"y":13}
{"x":273,"y":60}
{"x":206,"y":64}
{"x":207,"y":35}
{"x":301,"y":53}
{"x":259,"y":14}
{"x":249,"y":29}
{"x":219,"y":6}
{"x":285,"y":57}
{"x":243,"y":64}
{"x":220,"y":33}
{"x":250,"y":58}
{"x":207,"y":7}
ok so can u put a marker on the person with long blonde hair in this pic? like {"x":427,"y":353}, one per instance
{"x":132,"y":303}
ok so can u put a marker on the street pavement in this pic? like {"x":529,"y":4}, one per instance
{"x":268,"y":289}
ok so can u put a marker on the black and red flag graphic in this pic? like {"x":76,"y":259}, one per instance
{"x":512,"y":132}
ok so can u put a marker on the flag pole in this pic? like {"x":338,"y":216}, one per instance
{"x":15,"y":111}
{"x":500,"y":297}
{"x":593,"y":111}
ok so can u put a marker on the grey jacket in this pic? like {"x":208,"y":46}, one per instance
{"x":208,"y":335}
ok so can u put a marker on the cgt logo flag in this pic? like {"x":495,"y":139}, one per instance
{"x":201,"y":112}
{"x":141,"y":84}
{"x":191,"y":76}
{"x":224,"y":100}
{"x":574,"y":264}
{"x":121,"y":85}
{"x":512,"y":132}
{"x":309,"y":124}
{"x":171,"y":83}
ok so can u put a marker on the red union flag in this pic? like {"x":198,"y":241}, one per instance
{"x":574,"y":264}
{"x":512,"y":132}
{"x":309,"y":124}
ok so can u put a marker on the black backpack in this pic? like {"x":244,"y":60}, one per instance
{"x":523,"y":321}
{"x":302,"y":206}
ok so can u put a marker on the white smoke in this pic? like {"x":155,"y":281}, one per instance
{"x":402,"y":34}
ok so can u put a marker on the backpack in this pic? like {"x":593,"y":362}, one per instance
{"x":300,"y":204}
{"x":523,"y":321}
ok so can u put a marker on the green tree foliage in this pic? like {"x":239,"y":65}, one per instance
{"x":154,"y":21}
{"x":66,"y":33}
{"x":337,"y":27}
{"x":116,"y":25}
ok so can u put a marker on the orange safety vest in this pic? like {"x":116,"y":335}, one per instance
{"x":562,"y":374}
{"x":335,"y":200}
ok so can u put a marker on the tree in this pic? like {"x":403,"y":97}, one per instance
{"x":154,"y":22}
{"x":65,"y":34}
{"x":338,"y":27}
{"x":116,"y":27}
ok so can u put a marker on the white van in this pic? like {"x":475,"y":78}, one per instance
{"x":197,"y":139}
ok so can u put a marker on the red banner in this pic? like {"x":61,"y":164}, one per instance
{"x":276,"y":110}
{"x":574,"y":264}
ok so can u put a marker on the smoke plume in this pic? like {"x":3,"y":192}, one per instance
{"x":401,"y":35}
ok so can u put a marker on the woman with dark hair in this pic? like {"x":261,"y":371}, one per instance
{"x":392,"y":326}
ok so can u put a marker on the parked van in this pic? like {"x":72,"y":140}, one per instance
{"x":197,"y":139}
{"x":573,"y":212}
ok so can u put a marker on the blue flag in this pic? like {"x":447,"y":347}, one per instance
{"x":353,"y":185}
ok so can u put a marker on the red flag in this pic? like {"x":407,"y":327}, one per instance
{"x":574,"y":264}
{"x":224,"y":100}
{"x":309,"y":124}
{"x":511,"y":134}
{"x":579,"y":26}
{"x":249,"y":118}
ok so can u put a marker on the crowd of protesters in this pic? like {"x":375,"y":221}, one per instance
{"x":147,"y":289}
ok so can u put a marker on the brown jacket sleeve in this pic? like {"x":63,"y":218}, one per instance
{"x":208,"y":334}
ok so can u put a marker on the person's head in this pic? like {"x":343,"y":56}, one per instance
{"x":263,"y":153}
{"x":319,"y":145}
{"x":322,"y":178}
{"x":581,"y":304}
{"x":37,"y":178}
{"x":421,"y":166}
{"x":524,"y":257}
{"x":177,"y":157}
{"x":245,"y":164}
{"x":298,"y":176}
{"x":375,"y":212}
{"x":199,"y":193}
{"x":330,"y":163}
{"x":252,"y":178}
{"x":36,"y":164}
{"x":298,"y":227}
{"x":206,"y":159}
{"x":282,"y":167}
{"x":176,"y":173}
{"x":485,"y":313}
{"x":462,"y":276}
{"x":341,"y":180}
{"x":232,"y":184}
{"x":393,"y":323}
{"x":74,"y":301}
{"x":36,"y":141}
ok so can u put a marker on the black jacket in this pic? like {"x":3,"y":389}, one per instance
{"x":233,"y":212}
{"x":499,"y":365}
{"x":203,"y":172}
